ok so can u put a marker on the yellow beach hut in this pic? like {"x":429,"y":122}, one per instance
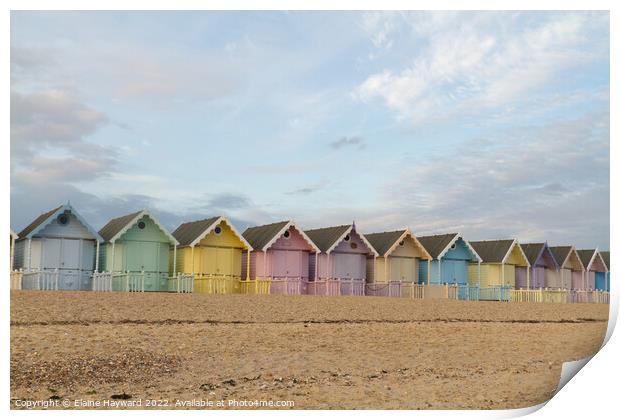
{"x":210,"y":250}
{"x":500,"y":261}
{"x":395,"y":271}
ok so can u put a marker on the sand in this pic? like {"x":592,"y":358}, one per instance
{"x":319,"y":352}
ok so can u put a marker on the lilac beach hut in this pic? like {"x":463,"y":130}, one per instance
{"x":340,"y":267}
{"x":544,"y":269}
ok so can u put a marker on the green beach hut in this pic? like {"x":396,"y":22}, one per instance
{"x":136,"y":250}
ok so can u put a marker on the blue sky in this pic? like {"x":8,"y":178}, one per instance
{"x":494,"y":124}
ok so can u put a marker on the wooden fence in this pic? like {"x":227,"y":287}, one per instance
{"x":600,"y":296}
{"x":40,"y":279}
{"x":215,"y":284}
{"x":102,"y":282}
{"x":128,"y":281}
{"x":352,"y":287}
{"x":323,"y":287}
{"x":287,"y":286}
{"x":412,"y":290}
{"x":260,"y":286}
{"x":558,"y":296}
{"x":391,"y":289}
{"x":16,"y":279}
{"x":181,"y":283}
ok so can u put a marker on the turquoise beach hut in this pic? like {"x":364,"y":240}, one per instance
{"x":605,"y":255}
{"x":451,"y":255}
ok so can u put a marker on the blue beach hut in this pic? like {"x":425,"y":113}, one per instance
{"x":451,"y":255}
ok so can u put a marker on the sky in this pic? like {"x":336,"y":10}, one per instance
{"x":492,"y":124}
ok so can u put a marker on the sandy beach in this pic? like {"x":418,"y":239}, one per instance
{"x":318,"y":352}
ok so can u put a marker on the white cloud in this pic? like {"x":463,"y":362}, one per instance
{"x":469,"y":65}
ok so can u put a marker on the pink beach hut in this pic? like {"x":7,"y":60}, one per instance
{"x":544,"y":269}
{"x":340,"y":267}
{"x":281,"y":256}
{"x":594,"y":266}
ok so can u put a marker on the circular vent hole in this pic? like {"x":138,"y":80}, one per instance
{"x":347,"y":238}
{"x":286,"y":234}
{"x":401,"y":243}
{"x":218,"y":230}
{"x":141,"y":225}
{"x":353,"y":245}
{"x":63,"y":219}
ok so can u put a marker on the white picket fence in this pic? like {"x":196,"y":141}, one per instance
{"x":40,"y":279}
{"x":102,"y":282}
{"x":16,"y":279}
{"x":287,"y":286}
{"x":182,"y":283}
{"x":129,"y":281}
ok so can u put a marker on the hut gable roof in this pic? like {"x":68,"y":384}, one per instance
{"x":116,"y":227}
{"x":38,"y":222}
{"x":43,"y":220}
{"x":191,"y":233}
{"x":326,"y":239}
{"x":561,"y":253}
{"x":586,"y":256}
{"x":14,"y":235}
{"x":262,"y":237}
{"x":435,"y":244}
{"x":533,"y":252}
{"x":438,"y":245}
{"x":259,"y":236}
{"x":494,"y":251}
{"x":605,"y":256}
{"x":382,"y":242}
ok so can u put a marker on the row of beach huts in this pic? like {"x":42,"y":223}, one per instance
{"x":59,"y":250}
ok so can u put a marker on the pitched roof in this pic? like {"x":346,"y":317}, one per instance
{"x":532,"y":251}
{"x":383,"y":241}
{"x":560,"y":253}
{"x":586,"y":256}
{"x":492,"y":251}
{"x":259,"y":236}
{"x":188,"y":232}
{"x":46,"y":218}
{"x":117,"y":227}
{"x":325,"y":238}
{"x":435,"y":244}
{"x":37,"y":222}
{"x":605,"y":255}
{"x":114,"y":226}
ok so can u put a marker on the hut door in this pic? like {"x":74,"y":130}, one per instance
{"x":70,"y":265}
{"x":395,"y":270}
{"x":280,"y":264}
{"x":70,"y":254}
{"x":51,"y":254}
{"x":448,"y":271}
{"x":409,"y":269}
{"x":223,"y":261}
{"x":208,"y":261}
{"x":349,"y":266}
{"x":142,"y":256}
{"x":87,"y":264}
